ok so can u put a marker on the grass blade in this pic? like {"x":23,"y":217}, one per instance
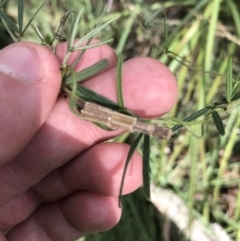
{"x":129,"y":156}
{"x":20,"y":15}
{"x":192,"y":117}
{"x":88,"y":72}
{"x":235,"y":14}
{"x":30,"y":21}
{"x":9,"y":21}
{"x":119,"y":81}
{"x":165,"y":30}
{"x":146,"y":166}
{"x":229,"y":78}
{"x":218,"y":123}
{"x":197,"y":7}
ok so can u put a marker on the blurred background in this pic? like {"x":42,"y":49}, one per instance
{"x":195,"y":182}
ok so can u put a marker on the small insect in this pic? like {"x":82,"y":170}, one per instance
{"x":113,"y":119}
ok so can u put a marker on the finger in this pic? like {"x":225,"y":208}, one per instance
{"x":2,"y":236}
{"x":73,"y":217}
{"x":17,"y":176}
{"x":99,"y":170}
{"x":76,"y":135}
{"x":149,"y":88}
{"x":30,"y":82}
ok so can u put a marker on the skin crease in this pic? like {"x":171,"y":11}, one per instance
{"x":58,"y":171}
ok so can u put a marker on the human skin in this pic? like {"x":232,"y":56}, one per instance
{"x":58,"y":180}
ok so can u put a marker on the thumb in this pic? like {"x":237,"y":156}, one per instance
{"x":30,"y":80}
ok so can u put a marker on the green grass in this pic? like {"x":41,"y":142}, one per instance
{"x":194,"y":38}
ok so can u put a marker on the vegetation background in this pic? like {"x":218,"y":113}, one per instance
{"x":199,"y":179}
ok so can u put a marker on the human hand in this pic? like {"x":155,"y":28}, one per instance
{"x":57,"y":179}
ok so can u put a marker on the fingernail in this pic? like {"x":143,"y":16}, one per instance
{"x":21,"y":63}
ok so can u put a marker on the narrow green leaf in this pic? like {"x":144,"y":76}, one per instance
{"x":76,"y":61}
{"x":20,"y":15}
{"x":88,"y":37}
{"x":78,"y":47}
{"x":197,"y":7}
{"x":165,"y":29}
{"x":127,"y":29}
{"x":119,"y":81}
{"x":100,"y":19}
{"x":104,"y":127}
{"x":234,"y":10}
{"x":150,"y":18}
{"x":94,"y":31}
{"x":129,"y":156}
{"x":218,"y":123}
{"x":92,"y":70}
{"x":85,"y":94}
{"x":236,"y":86}
{"x":88,"y":72}
{"x":89,"y":46}
{"x":192,"y":117}
{"x":9,"y":21}
{"x":34,"y":15}
{"x":12,"y":34}
{"x":237,"y":80}
{"x":146,"y":166}
{"x":229,"y":80}
{"x":44,"y":42}
{"x":75,"y":26}
{"x":235,"y":90}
